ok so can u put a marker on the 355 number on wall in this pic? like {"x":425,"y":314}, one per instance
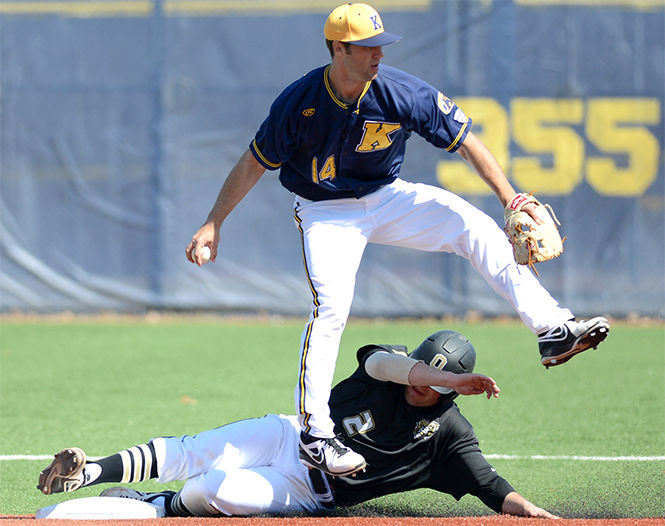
{"x":605,"y":140}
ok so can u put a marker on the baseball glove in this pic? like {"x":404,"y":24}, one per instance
{"x":532,"y":242}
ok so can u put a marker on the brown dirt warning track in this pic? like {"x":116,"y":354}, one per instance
{"x":494,"y":520}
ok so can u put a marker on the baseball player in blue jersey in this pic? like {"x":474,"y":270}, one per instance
{"x":337,"y":136}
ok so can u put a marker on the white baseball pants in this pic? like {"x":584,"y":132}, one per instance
{"x":243,"y":468}
{"x":423,"y":217}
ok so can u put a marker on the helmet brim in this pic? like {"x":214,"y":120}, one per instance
{"x":442,"y":390}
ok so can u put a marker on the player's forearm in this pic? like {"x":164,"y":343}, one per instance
{"x":406,"y":371}
{"x":423,"y":374}
{"x":237,"y":185}
{"x":387,"y":367}
{"x":403,"y":370}
{"x":481,"y":159}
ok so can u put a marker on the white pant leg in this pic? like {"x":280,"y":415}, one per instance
{"x":432,"y":219}
{"x":334,"y":240}
{"x":244,"y":468}
{"x":245,"y":443}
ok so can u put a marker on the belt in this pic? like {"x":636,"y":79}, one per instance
{"x":322,"y":488}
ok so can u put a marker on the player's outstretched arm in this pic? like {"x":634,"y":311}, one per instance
{"x":237,"y":185}
{"x":515,"y":504}
{"x":407,"y":371}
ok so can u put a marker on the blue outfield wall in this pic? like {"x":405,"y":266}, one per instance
{"x":120,"y":121}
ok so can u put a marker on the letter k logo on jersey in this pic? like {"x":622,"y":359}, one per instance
{"x":377,"y":135}
{"x":375,"y":21}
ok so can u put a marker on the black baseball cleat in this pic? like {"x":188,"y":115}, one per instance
{"x":65,"y":473}
{"x":128,"y":493}
{"x":560,"y":344}
{"x":329,"y":455}
{"x":168,"y":502}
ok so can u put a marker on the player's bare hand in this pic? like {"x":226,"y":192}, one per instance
{"x":540,"y":513}
{"x":515,"y":504}
{"x":530,"y":208}
{"x":207,"y":235}
{"x":473,"y":384}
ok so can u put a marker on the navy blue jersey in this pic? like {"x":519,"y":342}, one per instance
{"x":407,"y":447}
{"x":326,"y":149}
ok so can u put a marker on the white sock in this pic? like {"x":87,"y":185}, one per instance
{"x":91,"y":472}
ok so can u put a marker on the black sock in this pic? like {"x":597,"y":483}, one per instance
{"x":135,"y":464}
{"x":175,"y":507}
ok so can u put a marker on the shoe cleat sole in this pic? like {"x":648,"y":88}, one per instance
{"x":590,"y":341}
{"x":66,"y":464}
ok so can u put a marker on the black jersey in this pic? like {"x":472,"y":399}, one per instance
{"x":407,"y":447}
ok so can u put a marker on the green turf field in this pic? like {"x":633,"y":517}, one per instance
{"x":105,"y":386}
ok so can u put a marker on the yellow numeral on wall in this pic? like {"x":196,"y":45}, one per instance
{"x":604,"y":129}
{"x":537,"y":129}
{"x":490,"y":124}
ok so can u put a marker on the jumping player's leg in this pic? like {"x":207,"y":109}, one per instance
{"x":428,"y":218}
{"x":333,"y":243}
{"x":332,"y":250}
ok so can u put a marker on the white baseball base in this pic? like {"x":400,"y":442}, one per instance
{"x":101,"y":508}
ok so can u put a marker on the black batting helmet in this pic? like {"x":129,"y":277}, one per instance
{"x":449,"y":351}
